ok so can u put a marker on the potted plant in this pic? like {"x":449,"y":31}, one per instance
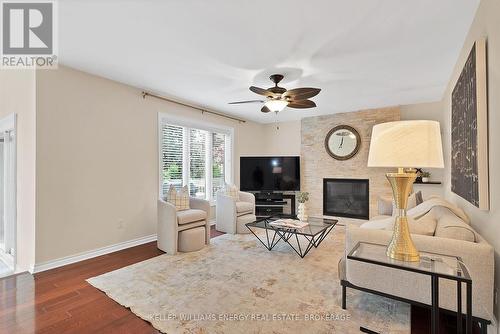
{"x":426,"y":177}
{"x":302,"y":198}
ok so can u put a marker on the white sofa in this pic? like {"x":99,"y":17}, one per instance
{"x":447,"y":239}
{"x":232,"y":214}
{"x":183,"y":231}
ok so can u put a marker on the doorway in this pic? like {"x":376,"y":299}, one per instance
{"x":8,"y":194}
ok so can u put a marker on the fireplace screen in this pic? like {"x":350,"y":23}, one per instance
{"x":346,"y":198}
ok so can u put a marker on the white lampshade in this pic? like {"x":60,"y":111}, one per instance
{"x":406,"y":144}
{"x":276,"y":105}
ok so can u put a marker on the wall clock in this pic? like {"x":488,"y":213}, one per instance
{"x":342,"y":142}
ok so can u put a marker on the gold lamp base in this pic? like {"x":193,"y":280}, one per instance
{"x":401,"y":246}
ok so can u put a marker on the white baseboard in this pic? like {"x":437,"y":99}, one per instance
{"x":90,"y":254}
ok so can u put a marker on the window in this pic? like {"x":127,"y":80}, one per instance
{"x":197,"y":163}
{"x":196,"y":157}
{"x":218,"y":162}
{"x":172,"y":160}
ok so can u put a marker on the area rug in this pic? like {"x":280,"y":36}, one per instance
{"x":237,"y":286}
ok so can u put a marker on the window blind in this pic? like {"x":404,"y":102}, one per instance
{"x":198,"y":158}
{"x":172,"y":156}
{"x":197,"y":166}
{"x":218,"y":161}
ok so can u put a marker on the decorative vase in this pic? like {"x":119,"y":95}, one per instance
{"x":302,"y":215}
{"x":425,"y":179}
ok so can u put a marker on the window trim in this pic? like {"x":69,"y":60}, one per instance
{"x":164,"y":118}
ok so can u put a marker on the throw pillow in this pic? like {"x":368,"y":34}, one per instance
{"x":419,"y":197}
{"x":385,"y":206}
{"x":232,"y":191}
{"x":413,"y":200}
{"x":179,"y":198}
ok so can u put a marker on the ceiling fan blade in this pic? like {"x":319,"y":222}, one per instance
{"x":265,"y":109}
{"x":301,"y":93}
{"x":302,"y":104}
{"x":249,"y":101}
{"x":262,"y":91}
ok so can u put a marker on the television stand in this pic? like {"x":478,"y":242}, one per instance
{"x":268,"y":203}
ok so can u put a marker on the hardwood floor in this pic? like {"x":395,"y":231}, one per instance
{"x":61,"y":301}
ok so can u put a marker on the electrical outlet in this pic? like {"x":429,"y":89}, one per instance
{"x":121,"y":224}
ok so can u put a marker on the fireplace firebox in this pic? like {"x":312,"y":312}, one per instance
{"x":346,"y":198}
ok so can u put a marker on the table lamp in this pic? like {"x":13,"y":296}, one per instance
{"x":406,"y":145}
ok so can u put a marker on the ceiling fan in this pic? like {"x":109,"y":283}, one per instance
{"x":277,"y":98}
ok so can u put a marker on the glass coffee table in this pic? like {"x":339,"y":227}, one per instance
{"x":301,"y":240}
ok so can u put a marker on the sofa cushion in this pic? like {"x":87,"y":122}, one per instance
{"x":423,"y":226}
{"x":243,"y":208}
{"x":191,"y":215}
{"x":451,"y":227}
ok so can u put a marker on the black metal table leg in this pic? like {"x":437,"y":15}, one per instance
{"x":344,"y":297}
{"x":270,"y":244}
{"x":459,"y":307}
{"x":484,"y":327}
{"x":285,"y":234}
{"x":435,"y":304}
{"x":469,"y":308}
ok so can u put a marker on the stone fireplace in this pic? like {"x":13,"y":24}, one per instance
{"x":317,"y":164}
{"x":346,"y":198}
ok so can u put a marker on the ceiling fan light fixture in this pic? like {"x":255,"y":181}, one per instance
{"x":277,"y":98}
{"x":276,"y":105}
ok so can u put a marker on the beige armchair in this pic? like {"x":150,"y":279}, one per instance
{"x":183,"y":231}
{"x":232,"y":215}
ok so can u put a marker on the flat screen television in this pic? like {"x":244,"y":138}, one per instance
{"x":269,"y":173}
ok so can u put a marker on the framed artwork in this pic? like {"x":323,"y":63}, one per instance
{"x":469,"y":130}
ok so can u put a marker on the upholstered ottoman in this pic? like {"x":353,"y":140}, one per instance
{"x":192,"y":239}
{"x":241,"y":221}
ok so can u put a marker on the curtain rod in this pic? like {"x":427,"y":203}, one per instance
{"x":144,"y":94}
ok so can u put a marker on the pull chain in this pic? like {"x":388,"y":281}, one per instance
{"x":276,"y":121}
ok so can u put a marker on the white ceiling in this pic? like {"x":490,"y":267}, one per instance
{"x":361,"y":53}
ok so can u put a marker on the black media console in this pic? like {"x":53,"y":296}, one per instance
{"x":271,"y":203}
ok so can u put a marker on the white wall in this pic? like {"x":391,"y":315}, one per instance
{"x":97,"y":164}
{"x":487,"y":223}
{"x":428,"y":111}
{"x":17,"y":95}
{"x":283,"y":138}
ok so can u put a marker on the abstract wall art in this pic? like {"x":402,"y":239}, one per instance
{"x":469,"y":130}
